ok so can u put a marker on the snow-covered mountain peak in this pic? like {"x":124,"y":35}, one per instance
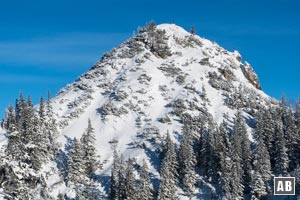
{"x":153,"y":82}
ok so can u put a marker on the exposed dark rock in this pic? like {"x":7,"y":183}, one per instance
{"x":251,"y":75}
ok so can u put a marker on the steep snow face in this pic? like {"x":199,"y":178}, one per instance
{"x":148,"y":86}
{"x":2,"y":137}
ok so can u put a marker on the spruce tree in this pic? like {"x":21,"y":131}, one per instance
{"x":224,"y":151}
{"x":51,"y":126}
{"x":262,"y":169}
{"x":114,"y":180}
{"x":9,"y":121}
{"x":89,"y":150}
{"x":167,"y":187}
{"x":291,"y":136}
{"x":242,"y":147}
{"x":168,"y":181}
{"x":187,"y":157}
{"x":208,"y":155}
{"x":130,"y":191}
{"x":20,"y":107}
{"x":238,"y":165}
{"x":281,"y":157}
{"x":75,"y":164}
{"x":297,"y":115}
{"x":122,"y":179}
{"x":41,"y":139}
{"x":145,"y":189}
{"x":297,"y":123}
{"x":42,"y":111}
{"x":237,"y":180}
{"x":265,"y":128}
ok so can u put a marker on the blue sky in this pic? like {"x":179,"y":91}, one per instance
{"x":46,"y":44}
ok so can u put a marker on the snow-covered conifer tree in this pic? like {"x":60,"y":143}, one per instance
{"x":75,"y":164}
{"x":145,"y":188}
{"x":262,"y":169}
{"x":242,"y":147}
{"x":130,"y":191}
{"x":281,"y":157}
{"x":89,"y":150}
{"x":187,"y":157}
{"x":168,"y":181}
{"x":224,"y":151}
{"x":114,"y":180}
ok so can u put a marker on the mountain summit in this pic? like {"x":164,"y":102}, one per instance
{"x":150,"y":82}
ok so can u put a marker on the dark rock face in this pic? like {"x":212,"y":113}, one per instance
{"x":251,"y":75}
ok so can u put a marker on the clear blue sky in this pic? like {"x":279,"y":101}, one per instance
{"x":46,"y":44}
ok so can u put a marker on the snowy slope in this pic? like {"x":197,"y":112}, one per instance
{"x":139,"y":89}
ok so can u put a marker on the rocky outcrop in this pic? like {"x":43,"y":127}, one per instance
{"x":250,"y":75}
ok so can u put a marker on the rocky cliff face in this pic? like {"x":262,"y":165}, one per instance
{"x":251,"y":75}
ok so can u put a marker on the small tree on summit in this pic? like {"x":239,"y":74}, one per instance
{"x":193,"y":31}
